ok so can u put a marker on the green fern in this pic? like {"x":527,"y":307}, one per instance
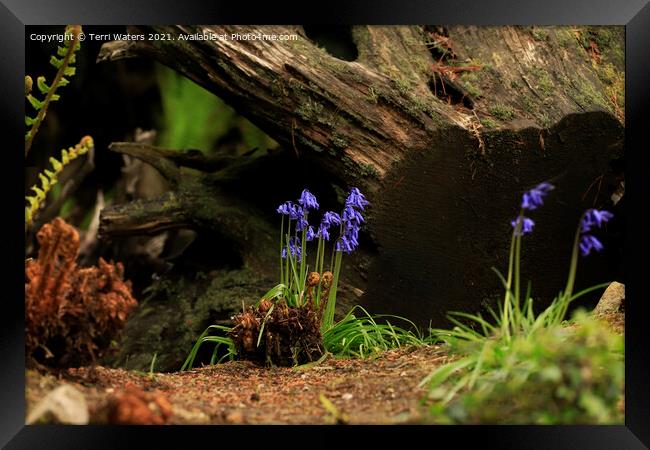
{"x":49,"y":178}
{"x":64,"y":63}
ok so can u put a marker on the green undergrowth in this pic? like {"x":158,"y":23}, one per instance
{"x":357,"y":335}
{"x":560,"y":375}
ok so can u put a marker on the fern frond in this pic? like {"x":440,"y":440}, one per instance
{"x":49,"y":178}
{"x":64,"y":66}
{"x":28,"y":85}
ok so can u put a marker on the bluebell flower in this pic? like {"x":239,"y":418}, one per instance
{"x":294,"y":248}
{"x":308,"y":200}
{"x":302,"y":223}
{"x":356,"y":199}
{"x":285,"y":208}
{"x":343,"y":244}
{"x":296,"y":212}
{"x":330,"y":218}
{"x":594,"y":217}
{"x":352,"y":215}
{"x":589,"y":242}
{"x":323,"y":233}
{"x":310,"y":234}
{"x":526,"y":226}
{"x":535,"y":197}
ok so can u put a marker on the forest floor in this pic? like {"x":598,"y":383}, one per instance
{"x":378,"y":390}
{"x":382,"y":389}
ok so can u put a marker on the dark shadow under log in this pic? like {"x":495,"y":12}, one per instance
{"x":444,"y":218}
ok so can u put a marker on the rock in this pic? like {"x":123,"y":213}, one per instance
{"x":63,"y":405}
{"x":612,"y":300}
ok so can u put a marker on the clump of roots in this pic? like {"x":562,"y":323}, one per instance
{"x":277,"y":334}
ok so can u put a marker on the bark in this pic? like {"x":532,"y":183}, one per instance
{"x":442,"y":128}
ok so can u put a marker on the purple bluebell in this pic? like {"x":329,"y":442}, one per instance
{"x":594,"y":218}
{"x":352,"y":215}
{"x":323,"y":233}
{"x":308,"y":200}
{"x":343,"y":244}
{"x":526,"y":226}
{"x":535,"y":197}
{"x":285,"y":208}
{"x":294,"y":248}
{"x":330,"y":218}
{"x":356,"y":199}
{"x":301,"y":224}
{"x":310,"y":234}
{"x":589,"y":242}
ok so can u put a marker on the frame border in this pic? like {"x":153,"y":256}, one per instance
{"x":634,"y":14}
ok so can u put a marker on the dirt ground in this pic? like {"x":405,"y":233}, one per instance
{"x":380,"y":390}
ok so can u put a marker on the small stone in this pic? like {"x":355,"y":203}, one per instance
{"x":402,"y":373}
{"x":64,"y":405}
{"x":347,"y":396}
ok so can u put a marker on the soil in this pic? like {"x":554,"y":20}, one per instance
{"x":379,"y":390}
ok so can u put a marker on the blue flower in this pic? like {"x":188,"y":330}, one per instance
{"x":330,"y":218}
{"x":296,"y":212}
{"x":343,"y":244}
{"x":308,"y":200}
{"x":352,"y":215}
{"x":589,"y":242}
{"x":310,"y":234}
{"x":323,"y":233}
{"x":535,"y":197}
{"x":285,"y":208}
{"x":302,"y":223}
{"x":526,"y":226}
{"x":294,"y":248}
{"x":356,"y":199}
{"x":594,"y":217}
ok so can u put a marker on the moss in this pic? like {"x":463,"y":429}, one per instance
{"x":539,"y":34}
{"x":310,"y":110}
{"x":489,"y":123}
{"x":368,"y":170}
{"x":469,"y":81}
{"x":565,"y":37}
{"x":544,"y":83}
{"x":403,"y":86}
{"x":373,"y":94}
{"x":338,"y":140}
{"x":502,"y":112}
{"x":587,"y":96}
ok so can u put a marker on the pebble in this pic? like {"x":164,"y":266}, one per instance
{"x":347,"y":396}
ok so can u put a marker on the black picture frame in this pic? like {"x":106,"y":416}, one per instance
{"x":633,"y":14}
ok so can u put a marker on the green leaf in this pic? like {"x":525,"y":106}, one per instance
{"x":51,"y":175}
{"x":33,"y":202}
{"x":40,"y":195}
{"x":61,"y":51}
{"x":65,"y":159}
{"x":44,"y":182}
{"x":54,"y":97}
{"x":63,"y":82}
{"x":56,"y":164}
{"x":56,"y":62}
{"x":37,"y":104}
{"x":29,"y":121}
{"x":42,"y":85}
{"x":69,"y":71}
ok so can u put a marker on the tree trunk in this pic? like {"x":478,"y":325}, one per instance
{"x":442,"y":128}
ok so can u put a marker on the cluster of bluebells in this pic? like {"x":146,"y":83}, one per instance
{"x":349,"y":220}
{"x":531,"y":199}
{"x":592,"y":218}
